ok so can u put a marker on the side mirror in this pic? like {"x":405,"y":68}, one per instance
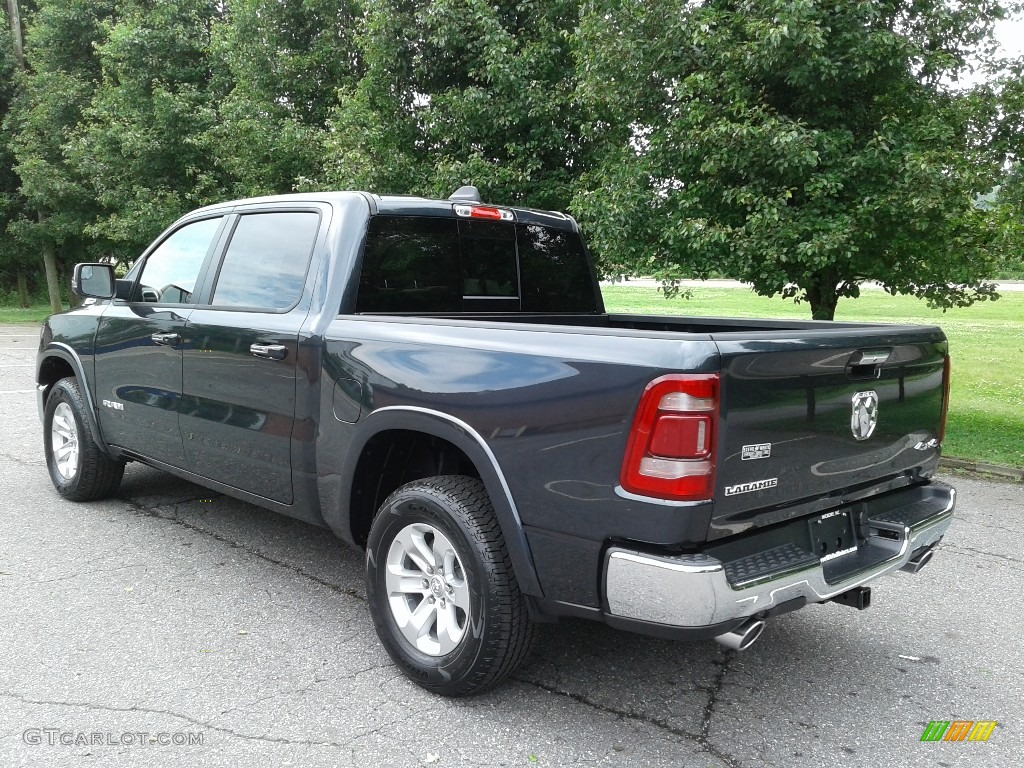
{"x":93,"y":281}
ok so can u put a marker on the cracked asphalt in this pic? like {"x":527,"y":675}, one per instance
{"x":171,"y":626}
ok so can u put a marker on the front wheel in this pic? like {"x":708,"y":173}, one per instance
{"x":79,"y":469}
{"x":440,"y":586}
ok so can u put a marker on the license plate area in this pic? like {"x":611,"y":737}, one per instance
{"x":832,"y":535}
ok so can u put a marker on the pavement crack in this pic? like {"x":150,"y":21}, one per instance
{"x":714,"y":691}
{"x":142,"y":509}
{"x":80,"y":574}
{"x":93,"y":707}
{"x":700,"y":739}
{"x":994,"y":527}
{"x":580,"y":698}
{"x":959,"y":549}
{"x":20,"y":461}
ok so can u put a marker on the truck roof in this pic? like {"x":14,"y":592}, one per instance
{"x":398,"y":205}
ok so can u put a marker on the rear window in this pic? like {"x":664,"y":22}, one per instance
{"x":418,"y":264}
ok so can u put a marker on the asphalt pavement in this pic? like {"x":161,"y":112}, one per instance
{"x":171,"y":626}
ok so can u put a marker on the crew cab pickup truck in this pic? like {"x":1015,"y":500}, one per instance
{"x":439,"y":384}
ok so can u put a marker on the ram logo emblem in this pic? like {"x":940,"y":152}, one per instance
{"x":865,"y":415}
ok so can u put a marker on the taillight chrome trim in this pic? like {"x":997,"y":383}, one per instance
{"x":681,"y":401}
{"x":673,"y":477}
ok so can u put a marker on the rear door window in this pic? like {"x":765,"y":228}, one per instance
{"x":265,"y":263}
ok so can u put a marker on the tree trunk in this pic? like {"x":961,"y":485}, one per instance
{"x":14,"y":17}
{"x":22,"y":289}
{"x":52,"y":281}
{"x":822,"y":297}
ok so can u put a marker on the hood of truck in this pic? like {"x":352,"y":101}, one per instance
{"x":819,"y":420}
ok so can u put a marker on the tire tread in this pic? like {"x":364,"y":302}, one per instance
{"x":99,"y":475}
{"x":508,"y":643}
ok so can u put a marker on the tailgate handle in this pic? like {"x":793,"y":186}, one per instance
{"x":866,"y":363}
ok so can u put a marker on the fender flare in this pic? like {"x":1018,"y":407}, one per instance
{"x":69,"y":356}
{"x":470,"y":442}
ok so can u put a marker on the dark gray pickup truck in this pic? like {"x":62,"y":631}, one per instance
{"x":438,"y":382}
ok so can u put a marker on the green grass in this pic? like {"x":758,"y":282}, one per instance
{"x":35,"y":314}
{"x":986,"y":341}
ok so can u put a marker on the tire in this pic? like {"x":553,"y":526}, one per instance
{"x":441,"y":590}
{"x":79,"y":470}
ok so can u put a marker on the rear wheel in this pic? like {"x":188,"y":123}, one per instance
{"x":79,"y":470}
{"x":441,"y":589}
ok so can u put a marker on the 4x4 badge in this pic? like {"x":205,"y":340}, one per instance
{"x":865,"y":415}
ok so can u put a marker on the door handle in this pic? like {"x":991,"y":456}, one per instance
{"x":167,"y":339}
{"x":269,"y":351}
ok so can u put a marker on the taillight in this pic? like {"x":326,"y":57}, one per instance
{"x":671,"y":448}
{"x":946,"y":371}
{"x":483,"y":212}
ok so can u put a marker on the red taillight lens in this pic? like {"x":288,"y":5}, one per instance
{"x":670,"y":453}
{"x":681,"y":437}
{"x":946,"y":372}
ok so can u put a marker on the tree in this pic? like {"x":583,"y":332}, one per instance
{"x":12,"y":204}
{"x":141,"y":141}
{"x":287,"y":60}
{"x":1007,"y":201}
{"x":799,"y":145}
{"x":53,"y":93}
{"x":463,"y":92}
{"x":13,"y":225}
{"x":1006,"y":205}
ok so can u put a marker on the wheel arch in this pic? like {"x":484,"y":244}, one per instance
{"x":60,"y":361}
{"x":350,"y":499}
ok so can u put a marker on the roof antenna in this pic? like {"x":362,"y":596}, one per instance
{"x":466,"y":195}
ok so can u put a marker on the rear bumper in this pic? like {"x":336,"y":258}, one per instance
{"x":690,"y":591}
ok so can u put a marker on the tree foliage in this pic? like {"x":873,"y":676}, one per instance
{"x":12,"y":204}
{"x":802,"y":146}
{"x":463,"y":91}
{"x":60,"y":84}
{"x":140,"y":139}
{"x":286,"y":61}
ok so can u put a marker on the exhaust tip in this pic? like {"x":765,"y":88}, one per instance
{"x":743,"y":636}
{"x":919,"y":560}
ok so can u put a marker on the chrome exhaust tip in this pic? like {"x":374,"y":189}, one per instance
{"x":743,"y":636}
{"x":919,"y":560}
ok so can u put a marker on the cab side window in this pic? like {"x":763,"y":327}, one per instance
{"x":170,"y":272}
{"x":266,"y":261}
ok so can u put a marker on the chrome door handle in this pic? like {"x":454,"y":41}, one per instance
{"x":167,"y":339}
{"x":269,"y":351}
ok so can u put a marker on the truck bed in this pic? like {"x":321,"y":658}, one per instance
{"x":554,"y":397}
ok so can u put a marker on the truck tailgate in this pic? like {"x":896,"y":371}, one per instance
{"x":819,"y":418}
